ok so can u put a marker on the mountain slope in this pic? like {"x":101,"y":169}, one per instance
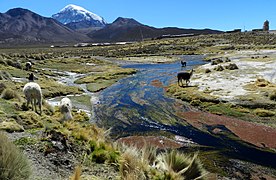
{"x":127,"y":29}
{"x":23,"y":26}
{"x":76,"y":17}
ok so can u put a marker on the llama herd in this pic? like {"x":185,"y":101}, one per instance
{"x":33,"y":95}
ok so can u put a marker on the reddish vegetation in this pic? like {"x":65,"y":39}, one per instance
{"x":156,"y":83}
{"x":259,"y":135}
{"x":159,"y":142}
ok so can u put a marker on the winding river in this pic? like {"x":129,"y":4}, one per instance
{"x":138,"y":104}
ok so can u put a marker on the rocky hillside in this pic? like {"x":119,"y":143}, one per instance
{"x":128,"y":29}
{"x":25,"y":27}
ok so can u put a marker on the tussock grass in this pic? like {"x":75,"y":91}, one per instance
{"x":13,"y":163}
{"x":264,"y":112}
{"x":10,"y":94}
{"x":180,"y":166}
{"x":2,"y":87}
{"x":146,"y":163}
{"x":11,"y":126}
{"x":272,"y":96}
{"x":131,"y":165}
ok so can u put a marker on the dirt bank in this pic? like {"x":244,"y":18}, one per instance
{"x":259,"y":135}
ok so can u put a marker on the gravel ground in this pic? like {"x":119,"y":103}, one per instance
{"x":59,"y":165}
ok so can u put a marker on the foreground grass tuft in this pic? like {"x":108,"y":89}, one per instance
{"x":176,"y":165}
{"x":13,"y":163}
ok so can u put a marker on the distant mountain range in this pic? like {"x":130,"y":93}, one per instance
{"x":75,"y":24}
{"x":127,"y":29}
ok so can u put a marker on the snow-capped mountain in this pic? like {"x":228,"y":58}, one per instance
{"x":76,"y":17}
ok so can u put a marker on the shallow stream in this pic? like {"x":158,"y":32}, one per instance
{"x":138,"y":104}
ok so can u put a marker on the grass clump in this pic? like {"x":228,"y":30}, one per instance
{"x":261,"y":82}
{"x":176,"y":165}
{"x":272,"y":96}
{"x":264,"y":112}
{"x":146,"y":163}
{"x":13,"y":163}
{"x":131,"y":164}
{"x":2,"y":87}
{"x":30,"y":120}
{"x":11,"y":126}
{"x":10,"y":94}
{"x":226,"y":109}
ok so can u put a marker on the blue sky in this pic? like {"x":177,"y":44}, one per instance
{"x":214,"y":14}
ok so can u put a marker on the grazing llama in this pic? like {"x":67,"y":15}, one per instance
{"x":184,"y":76}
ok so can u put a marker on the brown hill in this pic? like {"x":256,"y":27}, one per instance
{"x":127,"y":29}
{"x":21,"y":26}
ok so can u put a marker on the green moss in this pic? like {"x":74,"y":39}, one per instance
{"x":100,"y":85}
{"x":81,"y":99}
{"x":30,"y":120}
{"x":224,"y":109}
{"x":99,"y":156}
{"x":190,"y":94}
{"x":25,"y":141}
{"x":51,"y":88}
{"x":111,"y":74}
{"x":8,"y":109}
{"x":101,"y":80}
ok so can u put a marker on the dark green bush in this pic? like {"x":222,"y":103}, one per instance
{"x":99,"y":156}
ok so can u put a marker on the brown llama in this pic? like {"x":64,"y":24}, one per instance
{"x":184,"y":76}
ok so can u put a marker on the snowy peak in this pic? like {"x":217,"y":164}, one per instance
{"x":74,"y":14}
